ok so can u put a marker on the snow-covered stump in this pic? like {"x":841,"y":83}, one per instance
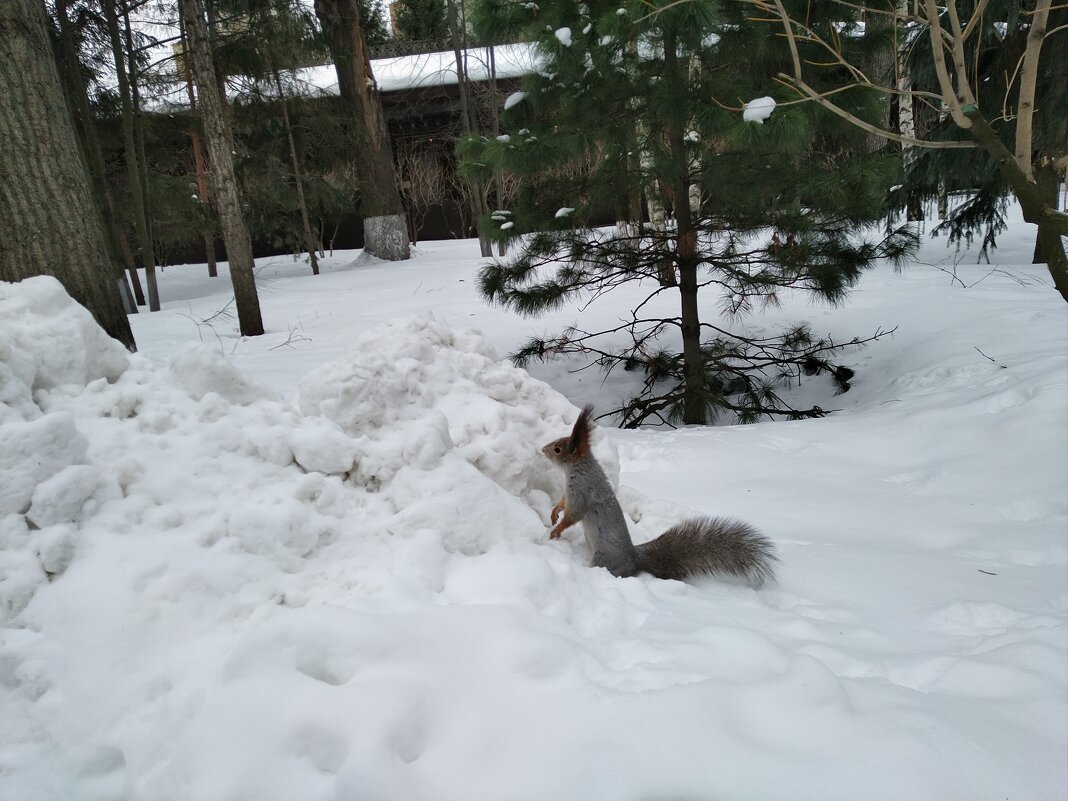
{"x":387,"y":237}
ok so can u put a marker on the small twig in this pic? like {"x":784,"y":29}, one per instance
{"x":223,"y":313}
{"x":203,"y":324}
{"x":999,"y":364}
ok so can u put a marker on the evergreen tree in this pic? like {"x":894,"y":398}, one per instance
{"x":375,"y":28}
{"x":422,"y":20}
{"x":757,"y":207}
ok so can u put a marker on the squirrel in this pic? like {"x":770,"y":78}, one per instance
{"x":698,"y":546}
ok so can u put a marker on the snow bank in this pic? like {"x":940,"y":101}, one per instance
{"x":215,"y":594}
{"x":48,"y":340}
{"x":177,"y":543}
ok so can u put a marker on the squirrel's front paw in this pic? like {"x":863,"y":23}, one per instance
{"x":556,"y":512}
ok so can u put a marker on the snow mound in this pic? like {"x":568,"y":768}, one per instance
{"x":201,"y":369}
{"x":185,"y":534}
{"x":417,"y":393}
{"x":48,"y":340}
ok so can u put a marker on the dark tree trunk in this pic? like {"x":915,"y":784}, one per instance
{"x":52,"y":225}
{"x":134,"y":175}
{"x":220,"y":142}
{"x":694,"y":410}
{"x":1052,"y":225}
{"x":476,"y":191}
{"x":385,"y":227}
{"x":298,"y":176}
{"x":213,"y":267}
{"x":1049,"y":186}
{"x":93,"y":151}
{"x":198,"y":160}
{"x":880,"y":66}
{"x":138,"y":125}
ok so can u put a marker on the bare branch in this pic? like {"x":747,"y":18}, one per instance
{"x":808,"y":91}
{"x":960,"y":64}
{"x":1028,"y":80}
{"x":976,"y":20}
{"x":948,"y":92}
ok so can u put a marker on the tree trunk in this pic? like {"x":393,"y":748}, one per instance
{"x":93,"y":150}
{"x":694,"y":410}
{"x":475,"y":190}
{"x":309,"y":239}
{"x":881,"y":66}
{"x":1052,"y":224}
{"x":198,"y":159}
{"x":139,"y":124}
{"x":133,"y":168}
{"x":385,"y":227}
{"x":220,"y":142}
{"x":52,"y":225}
{"x":1049,"y":186}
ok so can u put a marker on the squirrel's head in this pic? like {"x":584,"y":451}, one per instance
{"x":574,"y":447}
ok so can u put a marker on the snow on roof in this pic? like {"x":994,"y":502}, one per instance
{"x":392,"y":75}
{"x":429,"y":69}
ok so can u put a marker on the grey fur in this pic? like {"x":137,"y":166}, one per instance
{"x":708,"y":545}
{"x":698,"y":546}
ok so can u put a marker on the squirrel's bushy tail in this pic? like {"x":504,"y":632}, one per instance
{"x":703,"y":545}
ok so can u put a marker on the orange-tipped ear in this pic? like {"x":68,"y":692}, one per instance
{"x":579,"y":443}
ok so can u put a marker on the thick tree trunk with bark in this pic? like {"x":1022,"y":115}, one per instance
{"x":52,"y":225}
{"x":385,"y":227}
{"x":220,"y":142}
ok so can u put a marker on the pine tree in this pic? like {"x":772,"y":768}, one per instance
{"x":375,"y":29}
{"x":422,"y":20}
{"x":630,"y":89}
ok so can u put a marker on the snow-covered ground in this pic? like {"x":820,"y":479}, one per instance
{"x":314,"y":564}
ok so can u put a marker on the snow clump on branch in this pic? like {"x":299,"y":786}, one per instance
{"x":758,"y":110}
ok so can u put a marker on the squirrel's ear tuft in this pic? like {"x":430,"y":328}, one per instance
{"x":579,"y":443}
